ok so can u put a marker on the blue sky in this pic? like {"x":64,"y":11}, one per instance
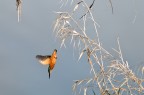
{"x":20,"y":72}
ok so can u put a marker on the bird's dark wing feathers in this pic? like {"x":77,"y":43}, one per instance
{"x":41,"y":57}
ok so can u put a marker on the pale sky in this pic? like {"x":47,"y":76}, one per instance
{"x":20,"y":72}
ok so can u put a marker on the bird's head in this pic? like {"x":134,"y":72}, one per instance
{"x":55,"y":50}
{"x":55,"y":53}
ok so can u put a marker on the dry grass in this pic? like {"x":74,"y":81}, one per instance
{"x":114,"y":76}
{"x":19,"y":8}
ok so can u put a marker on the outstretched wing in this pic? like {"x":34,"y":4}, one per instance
{"x":45,"y":60}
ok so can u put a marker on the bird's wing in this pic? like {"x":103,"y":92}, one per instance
{"x":45,"y":60}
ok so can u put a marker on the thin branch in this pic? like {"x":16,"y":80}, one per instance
{"x":19,"y":8}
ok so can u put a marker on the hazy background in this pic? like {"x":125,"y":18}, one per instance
{"x":20,"y":72}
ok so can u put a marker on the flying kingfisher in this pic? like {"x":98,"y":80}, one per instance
{"x":48,"y":60}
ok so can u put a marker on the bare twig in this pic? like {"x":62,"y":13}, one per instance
{"x":19,"y":8}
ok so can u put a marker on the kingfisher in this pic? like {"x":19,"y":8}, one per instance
{"x":48,"y":60}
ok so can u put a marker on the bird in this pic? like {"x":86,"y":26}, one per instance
{"x":48,"y":60}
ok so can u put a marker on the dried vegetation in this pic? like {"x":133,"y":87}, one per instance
{"x":114,"y":76}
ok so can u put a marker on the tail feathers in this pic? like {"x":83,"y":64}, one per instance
{"x":49,"y":71}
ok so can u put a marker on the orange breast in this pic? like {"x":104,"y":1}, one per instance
{"x":53,"y":60}
{"x":51,"y":66}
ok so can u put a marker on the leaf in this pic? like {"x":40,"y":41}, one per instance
{"x":71,"y":39}
{"x":89,"y":81}
{"x":19,"y":5}
{"x":76,"y":7}
{"x":111,"y":5}
{"x":80,"y":82}
{"x":85,"y":90}
{"x":63,"y":43}
{"x":81,"y":54}
{"x":142,"y":70}
{"x":74,"y":86}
